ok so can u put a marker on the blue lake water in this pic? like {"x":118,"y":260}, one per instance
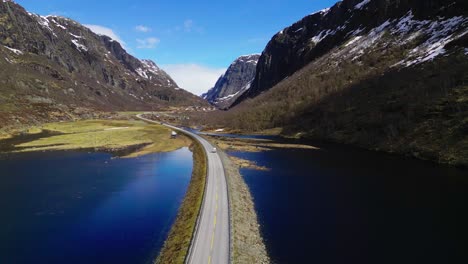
{"x":74,"y":207}
{"x":343,"y":205}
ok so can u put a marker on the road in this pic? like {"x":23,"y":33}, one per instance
{"x":211,"y":239}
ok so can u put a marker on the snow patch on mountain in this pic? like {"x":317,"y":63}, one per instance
{"x":228,"y":97}
{"x":149,"y":69}
{"x":75,"y":36}
{"x":369,"y":40}
{"x":9,"y":61}
{"x":322,"y":35}
{"x":142,"y":73}
{"x":151,"y":66}
{"x":441,"y":32}
{"x":323,"y":12}
{"x":80,"y":47}
{"x":58,"y":24}
{"x":438,"y":33}
{"x":16,"y":51}
{"x":44,"y":22}
{"x":352,"y":41}
{"x":252,"y":58}
{"x":362,"y":4}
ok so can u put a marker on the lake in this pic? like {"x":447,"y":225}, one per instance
{"x":78,"y":207}
{"x":345,"y":205}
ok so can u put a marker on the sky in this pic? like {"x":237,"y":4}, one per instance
{"x":193,"y":41}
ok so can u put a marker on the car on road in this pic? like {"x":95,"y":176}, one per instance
{"x":213,"y":150}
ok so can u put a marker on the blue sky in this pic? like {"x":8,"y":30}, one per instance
{"x":194,"y":41}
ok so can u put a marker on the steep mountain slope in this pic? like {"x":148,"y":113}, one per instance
{"x":387,"y":75}
{"x":234,"y":82}
{"x":361,"y":24}
{"x":53,"y":67}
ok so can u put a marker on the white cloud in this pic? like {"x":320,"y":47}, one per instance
{"x":188,"y":25}
{"x":142,"y":28}
{"x":194,"y":78}
{"x":100,"y":30}
{"x":148,"y":43}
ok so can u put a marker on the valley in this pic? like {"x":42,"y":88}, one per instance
{"x":138,"y":133}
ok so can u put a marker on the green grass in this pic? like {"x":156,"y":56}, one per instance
{"x":178,"y":242}
{"x":106,"y":135}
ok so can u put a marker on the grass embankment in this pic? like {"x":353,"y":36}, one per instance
{"x":253,"y":145}
{"x":178,"y":242}
{"x":106,"y":135}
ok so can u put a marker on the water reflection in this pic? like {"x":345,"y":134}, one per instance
{"x":342,"y":205}
{"x":88,"y":207}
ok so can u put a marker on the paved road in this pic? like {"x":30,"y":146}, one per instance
{"x":211,"y":239}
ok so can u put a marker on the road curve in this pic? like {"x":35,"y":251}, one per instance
{"x":210,"y":243}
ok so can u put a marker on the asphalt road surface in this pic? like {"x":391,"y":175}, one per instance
{"x":211,"y":239}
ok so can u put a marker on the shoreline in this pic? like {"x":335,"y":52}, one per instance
{"x":247,"y":243}
{"x":416,"y":152}
{"x":178,"y":241}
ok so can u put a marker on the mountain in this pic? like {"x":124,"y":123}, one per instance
{"x":423,"y":27}
{"x":55,"y":68}
{"x":234,"y":82}
{"x":379,"y":74}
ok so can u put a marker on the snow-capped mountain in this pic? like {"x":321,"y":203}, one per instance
{"x":380,"y":74}
{"x":234,"y":82}
{"x":64,"y":65}
{"x":351,"y":29}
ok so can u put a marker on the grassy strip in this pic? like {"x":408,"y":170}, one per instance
{"x":254,"y":145}
{"x":178,"y":242}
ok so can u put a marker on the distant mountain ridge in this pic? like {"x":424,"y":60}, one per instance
{"x":234,"y":82}
{"x":52,"y":64}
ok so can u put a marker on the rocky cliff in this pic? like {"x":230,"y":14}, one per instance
{"x":54,"y":67}
{"x":234,"y":82}
{"x":389,"y":75}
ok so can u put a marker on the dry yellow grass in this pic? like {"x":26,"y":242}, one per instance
{"x":248,"y":164}
{"x":4,"y":136}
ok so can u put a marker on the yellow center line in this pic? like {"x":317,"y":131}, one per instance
{"x":209,"y":260}
{"x":212,"y":239}
{"x":215,"y":222}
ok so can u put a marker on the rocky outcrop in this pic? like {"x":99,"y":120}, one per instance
{"x":52,"y":62}
{"x":234,"y":82}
